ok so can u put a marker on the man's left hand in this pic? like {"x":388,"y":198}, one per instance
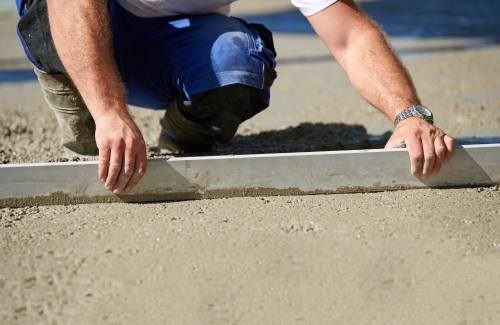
{"x":428,"y":146}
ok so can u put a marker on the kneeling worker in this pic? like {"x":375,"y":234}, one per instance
{"x":209,"y":71}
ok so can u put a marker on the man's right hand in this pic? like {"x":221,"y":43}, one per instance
{"x":122,"y":152}
{"x":81,"y":31}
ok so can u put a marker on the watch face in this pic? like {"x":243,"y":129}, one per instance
{"x":423,"y":110}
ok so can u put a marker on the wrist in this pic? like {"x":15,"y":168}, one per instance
{"x":108,"y":107}
{"x":416,"y":110}
{"x":112,"y":114}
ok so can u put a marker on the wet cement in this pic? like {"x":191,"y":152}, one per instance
{"x":418,"y":256}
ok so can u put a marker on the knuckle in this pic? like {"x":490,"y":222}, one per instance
{"x":103,"y":144}
{"x":104,"y":156}
{"x":128,"y":169}
{"x":430,"y":155}
{"x":418,"y":164}
{"x":431,"y":133}
{"x":418,"y":156}
{"x":414,"y":132}
{"x":114,"y":167}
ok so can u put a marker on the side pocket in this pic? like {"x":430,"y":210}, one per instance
{"x":269,"y":74}
{"x":266,"y":35}
{"x":267,"y":56}
{"x":263,"y":32}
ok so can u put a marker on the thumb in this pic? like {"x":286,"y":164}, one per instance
{"x":395,"y":143}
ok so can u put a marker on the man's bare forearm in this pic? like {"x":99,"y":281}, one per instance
{"x":377,"y":74}
{"x":83,"y":40}
{"x":370,"y":63}
{"x":82,"y":36}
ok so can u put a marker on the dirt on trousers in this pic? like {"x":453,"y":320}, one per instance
{"x":408,"y":257}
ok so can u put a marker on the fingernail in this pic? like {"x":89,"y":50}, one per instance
{"x":116,"y":191}
{"x":413,"y":171}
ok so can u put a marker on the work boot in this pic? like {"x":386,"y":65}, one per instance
{"x":211,"y":116}
{"x":180,"y":134}
{"x":74,"y":119}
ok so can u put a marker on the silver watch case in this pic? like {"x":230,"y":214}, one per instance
{"x":415,"y":110}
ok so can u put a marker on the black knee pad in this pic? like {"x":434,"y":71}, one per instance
{"x":223,"y":109}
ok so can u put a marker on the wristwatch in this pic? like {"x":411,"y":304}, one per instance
{"x":415,"y":110}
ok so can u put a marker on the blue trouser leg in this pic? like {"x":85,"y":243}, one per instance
{"x":166,"y":57}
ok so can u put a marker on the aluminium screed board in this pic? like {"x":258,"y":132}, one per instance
{"x":246,"y":175}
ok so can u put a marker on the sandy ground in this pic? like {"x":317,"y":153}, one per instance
{"x":409,"y":257}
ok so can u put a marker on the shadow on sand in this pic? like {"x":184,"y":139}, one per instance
{"x":306,"y":137}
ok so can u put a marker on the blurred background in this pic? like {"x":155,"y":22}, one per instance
{"x":437,"y":25}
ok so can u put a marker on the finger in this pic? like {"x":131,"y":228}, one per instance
{"x":440,"y":149}
{"x":429,"y":157}
{"x":141,"y":163}
{"x":416,"y":153}
{"x":126,"y":172}
{"x":115,"y":166}
{"x":450,"y":148}
{"x":103,"y":165}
